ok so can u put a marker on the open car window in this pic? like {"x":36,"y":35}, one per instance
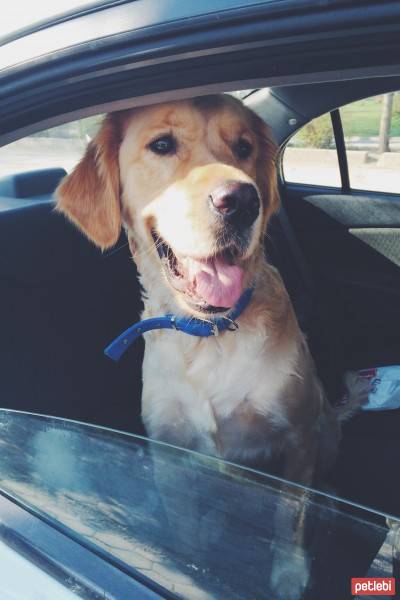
{"x":100,"y":487}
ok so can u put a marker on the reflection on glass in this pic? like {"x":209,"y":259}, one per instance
{"x":198,"y":526}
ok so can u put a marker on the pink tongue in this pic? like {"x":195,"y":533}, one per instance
{"x":216,"y":281}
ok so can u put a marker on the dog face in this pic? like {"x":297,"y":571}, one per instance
{"x":193,"y":183}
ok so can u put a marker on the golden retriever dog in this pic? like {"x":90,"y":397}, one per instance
{"x":193,"y":183}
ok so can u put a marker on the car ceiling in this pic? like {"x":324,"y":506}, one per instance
{"x":134,"y":59}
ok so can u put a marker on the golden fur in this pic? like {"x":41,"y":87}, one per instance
{"x":251,"y":396}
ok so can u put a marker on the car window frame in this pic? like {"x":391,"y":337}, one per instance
{"x":42,"y":542}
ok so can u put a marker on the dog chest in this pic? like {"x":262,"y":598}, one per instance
{"x":220,"y":396}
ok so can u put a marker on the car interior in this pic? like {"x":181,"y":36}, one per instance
{"x":337,"y":249}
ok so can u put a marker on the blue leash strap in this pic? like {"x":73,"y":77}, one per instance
{"x":189,"y":325}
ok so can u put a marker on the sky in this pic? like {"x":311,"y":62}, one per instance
{"x":21,"y":13}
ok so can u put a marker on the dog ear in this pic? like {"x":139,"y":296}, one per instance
{"x":90,"y":195}
{"x":267,"y":180}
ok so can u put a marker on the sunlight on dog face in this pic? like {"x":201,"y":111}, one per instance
{"x":172,"y":158}
{"x":195,"y":182}
{"x":190,"y":188}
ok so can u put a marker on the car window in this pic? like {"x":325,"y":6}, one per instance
{"x":115,"y":493}
{"x":60,"y":146}
{"x":371,"y":130}
{"x":310,"y":156}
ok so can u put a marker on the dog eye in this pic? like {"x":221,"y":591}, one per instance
{"x":165,"y":144}
{"x":243,"y":149}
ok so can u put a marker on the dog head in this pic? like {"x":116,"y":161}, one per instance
{"x":193,"y":183}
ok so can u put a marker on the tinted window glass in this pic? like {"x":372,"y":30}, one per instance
{"x":117,"y":492}
{"x":311,"y":157}
{"x":60,"y":146}
{"x":372,"y":135}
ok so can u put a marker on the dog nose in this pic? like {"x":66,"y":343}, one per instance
{"x":236,"y":202}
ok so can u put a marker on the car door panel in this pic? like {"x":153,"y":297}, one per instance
{"x":352,"y":244}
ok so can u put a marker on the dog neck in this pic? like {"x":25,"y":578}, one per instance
{"x":189,"y":325}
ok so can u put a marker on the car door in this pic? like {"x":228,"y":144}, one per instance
{"x":341,"y":193}
{"x":342,"y":196}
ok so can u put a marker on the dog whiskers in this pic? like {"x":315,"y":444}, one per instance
{"x":152,"y":249}
{"x":114,"y":250}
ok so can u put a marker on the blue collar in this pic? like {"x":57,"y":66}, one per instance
{"x":189,"y":325}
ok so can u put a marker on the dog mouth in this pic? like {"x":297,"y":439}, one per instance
{"x":211,"y":284}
